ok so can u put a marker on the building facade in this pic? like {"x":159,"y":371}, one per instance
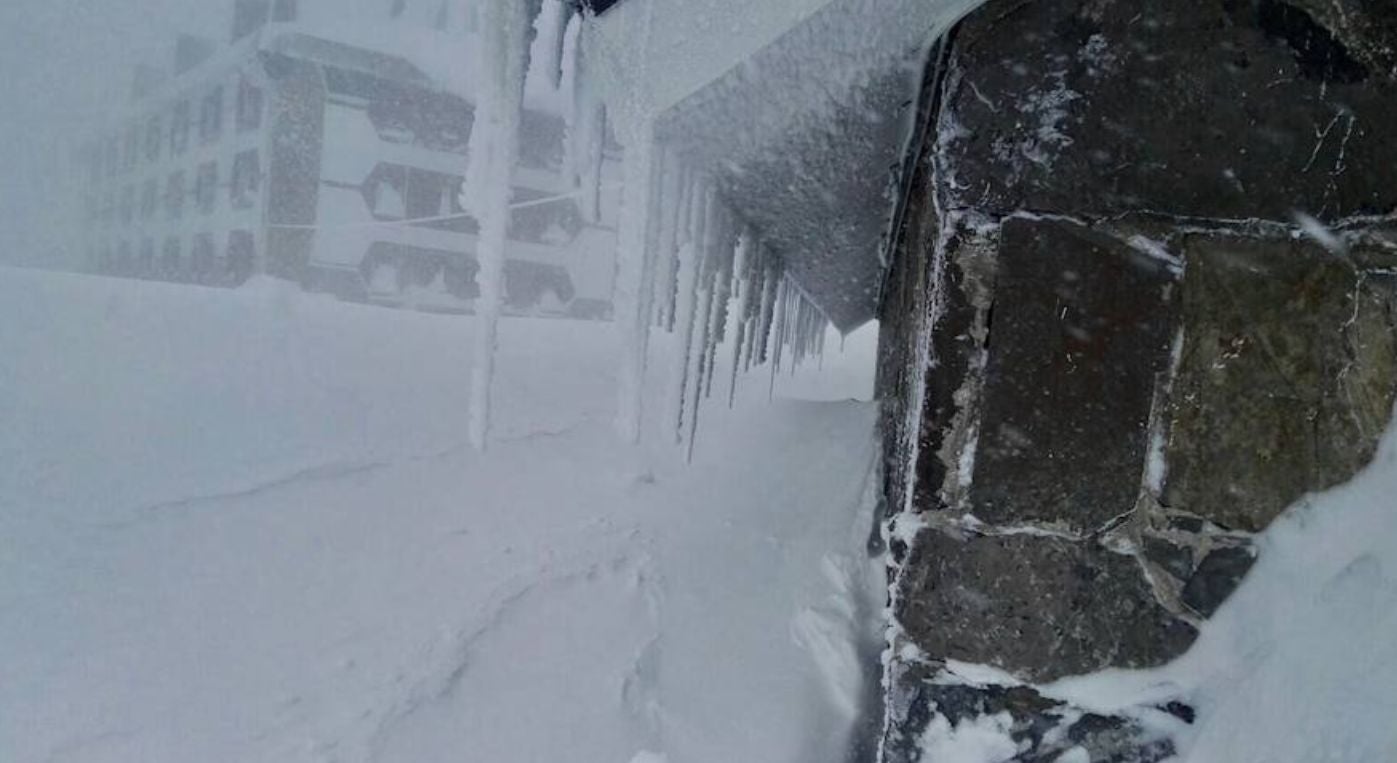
{"x":323,"y":151}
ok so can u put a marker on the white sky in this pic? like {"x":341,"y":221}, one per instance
{"x":63,"y":65}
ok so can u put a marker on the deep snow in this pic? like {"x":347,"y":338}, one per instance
{"x":245,"y":526}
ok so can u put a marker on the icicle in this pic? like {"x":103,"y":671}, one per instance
{"x":686,"y":302}
{"x":667,"y":262}
{"x":770,"y":298}
{"x":759,"y":312}
{"x":713,"y":235}
{"x":632,"y":318}
{"x":557,"y":22}
{"x":705,"y":299}
{"x":654,"y":213}
{"x":722,"y":295}
{"x":587,"y":136}
{"x":503,"y":63}
{"x":778,"y":338}
{"x":742,"y":268}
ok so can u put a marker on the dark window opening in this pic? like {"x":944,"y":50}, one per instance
{"x":201,"y":258}
{"x":385,"y":192}
{"x":211,"y":116}
{"x":174,"y":195}
{"x":435,"y":198}
{"x":206,"y":187}
{"x":555,"y":222}
{"x":246,"y":179}
{"x":249,"y":106}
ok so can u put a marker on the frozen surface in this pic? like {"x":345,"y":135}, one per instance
{"x":245,"y":526}
{"x":799,"y":110}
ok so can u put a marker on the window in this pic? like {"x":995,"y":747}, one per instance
{"x":179,"y":128}
{"x":201,"y":260}
{"x":128,"y":204}
{"x":435,"y":198}
{"x":249,"y":115}
{"x":149,"y":193}
{"x":211,"y":116}
{"x":174,"y":195}
{"x":385,"y":192}
{"x":206,"y":187}
{"x":246,"y":179}
{"x":155,"y":136}
{"x":284,"y":10}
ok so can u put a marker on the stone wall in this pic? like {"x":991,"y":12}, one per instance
{"x":1144,"y":299}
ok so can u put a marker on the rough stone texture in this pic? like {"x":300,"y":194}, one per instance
{"x":1045,"y":729}
{"x":1287,"y":378}
{"x":1216,"y":578}
{"x":1082,"y":326}
{"x":1129,"y":352}
{"x":1369,"y":27}
{"x":1174,"y":558}
{"x":1203,"y":108}
{"x":1040,"y":608}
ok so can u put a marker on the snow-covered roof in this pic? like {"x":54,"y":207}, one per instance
{"x":800,"y":109}
{"x":340,"y":55}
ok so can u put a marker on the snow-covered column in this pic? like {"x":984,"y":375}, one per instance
{"x":632,"y":319}
{"x":502,"y":56}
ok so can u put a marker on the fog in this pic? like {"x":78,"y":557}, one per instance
{"x":348,"y":410}
{"x":65,"y":65}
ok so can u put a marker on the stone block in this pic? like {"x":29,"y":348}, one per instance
{"x":1217,"y":576}
{"x":1287,"y":377}
{"x":1082,"y":326}
{"x":1180,"y":107}
{"x":1044,"y":729}
{"x":1039,"y":607}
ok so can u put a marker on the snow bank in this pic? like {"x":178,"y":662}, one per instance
{"x":245,"y":526}
{"x":1301,"y":663}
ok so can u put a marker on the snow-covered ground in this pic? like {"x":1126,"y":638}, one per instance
{"x":245,"y":526}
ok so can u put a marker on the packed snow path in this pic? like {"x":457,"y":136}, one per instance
{"x":246,"y":526}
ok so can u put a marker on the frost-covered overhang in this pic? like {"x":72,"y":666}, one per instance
{"x":799,"y":109}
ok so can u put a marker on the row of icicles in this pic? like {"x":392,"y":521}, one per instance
{"x":711,"y":281}
{"x":686,"y":263}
